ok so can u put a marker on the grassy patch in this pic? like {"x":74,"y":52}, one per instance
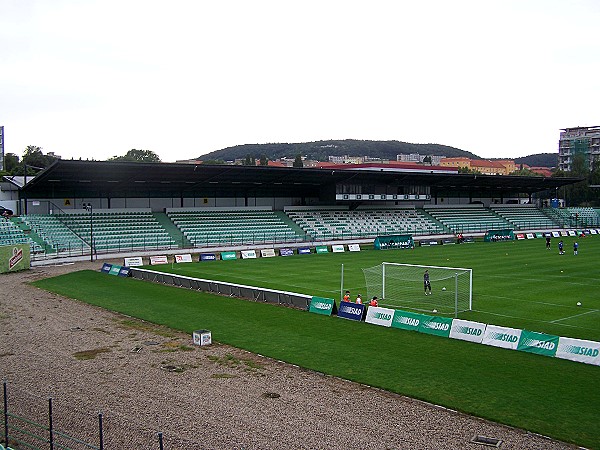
{"x":90,"y":354}
{"x":231,"y":361}
{"x":146,"y":327}
{"x":222,"y":375}
{"x":253,"y":365}
{"x":174,"y":346}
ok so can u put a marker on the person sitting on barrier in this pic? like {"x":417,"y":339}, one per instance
{"x":346,"y":297}
{"x":359,"y":299}
{"x":373,"y":301}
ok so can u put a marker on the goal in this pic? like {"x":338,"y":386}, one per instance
{"x":401,"y":286}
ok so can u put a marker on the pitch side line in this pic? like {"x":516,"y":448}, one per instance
{"x":526,"y":301}
{"x":576,"y":315}
{"x":532,"y":320}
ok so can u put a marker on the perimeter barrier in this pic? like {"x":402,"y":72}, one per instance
{"x":257,"y":294}
{"x":578,"y":350}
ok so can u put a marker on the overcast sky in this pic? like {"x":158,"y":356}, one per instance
{"x":95,"y":78}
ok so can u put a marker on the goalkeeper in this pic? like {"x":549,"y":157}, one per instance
{"x":426,"y":283}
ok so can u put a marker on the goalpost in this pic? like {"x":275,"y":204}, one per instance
{"x":402,"y":286}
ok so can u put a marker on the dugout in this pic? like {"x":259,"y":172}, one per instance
{"x":68,"y":184}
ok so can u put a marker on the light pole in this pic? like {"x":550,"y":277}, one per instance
{"x":90,"y":208}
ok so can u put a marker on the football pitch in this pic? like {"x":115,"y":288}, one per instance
{"x":518,"y":284}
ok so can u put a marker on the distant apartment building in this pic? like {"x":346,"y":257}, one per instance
{"x":1,"y":147}
{"x":370,"y":159}
{"x":346,"y":159}
{"x":484,"y":166}
{"x":410,"y":157}
{"x":418,"y":158}
{"x":508,"y":164}
{"x":436,"y":159}
{"x":487,"y":167}
{"x":457,"y":163}
{"x":579,"y":140}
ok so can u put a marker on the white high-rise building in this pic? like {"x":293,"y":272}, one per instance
{"x":579,"y":140}
{"x":1,"y":147}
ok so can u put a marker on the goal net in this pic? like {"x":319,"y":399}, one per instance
{"x":402,"y":286}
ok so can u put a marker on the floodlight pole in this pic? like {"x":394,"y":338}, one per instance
{"x":89,"y":207}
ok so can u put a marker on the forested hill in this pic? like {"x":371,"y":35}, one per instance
{"x":321,"y":150}
{"x":539,"y":160}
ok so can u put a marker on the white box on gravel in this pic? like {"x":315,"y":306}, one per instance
{"x":202,"y":337}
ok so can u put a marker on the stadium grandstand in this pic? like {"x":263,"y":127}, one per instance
{"x":81,"y":207}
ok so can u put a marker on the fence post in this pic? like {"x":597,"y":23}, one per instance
{"x":50,"y":427}
{"x":5,"y":414}
{"x":100,"y":432}
{"x":160,"y":441}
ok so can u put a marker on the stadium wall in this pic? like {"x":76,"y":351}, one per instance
{"x":45,"y":206}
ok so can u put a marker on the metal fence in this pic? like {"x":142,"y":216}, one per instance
{"x":121,"y":245}
{"x":35,"y":423}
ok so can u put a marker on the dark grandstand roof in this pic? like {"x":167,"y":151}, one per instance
{"x":95,"y":179}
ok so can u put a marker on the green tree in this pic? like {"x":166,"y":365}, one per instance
{"x":467,"y":170}
{"x":579,"y":194}
{"x":11,"y":162}
{"x":579,"y":166}
{"x":135,"y":155}
{"x":264,"y":161}
{"x":427,"y":160}
{"x":33,"y":156}
{"x":298,"y":161}
{"x":249,"y":161}
{"x":524,"y":172}
{"x":595,"y":172}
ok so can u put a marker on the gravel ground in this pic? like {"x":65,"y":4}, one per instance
{"x":146,"y":379}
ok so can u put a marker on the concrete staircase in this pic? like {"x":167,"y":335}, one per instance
{"x":173,"y":231}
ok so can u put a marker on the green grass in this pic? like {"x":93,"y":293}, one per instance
{"x":517,"y":284}
{"x":525,"y":289}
